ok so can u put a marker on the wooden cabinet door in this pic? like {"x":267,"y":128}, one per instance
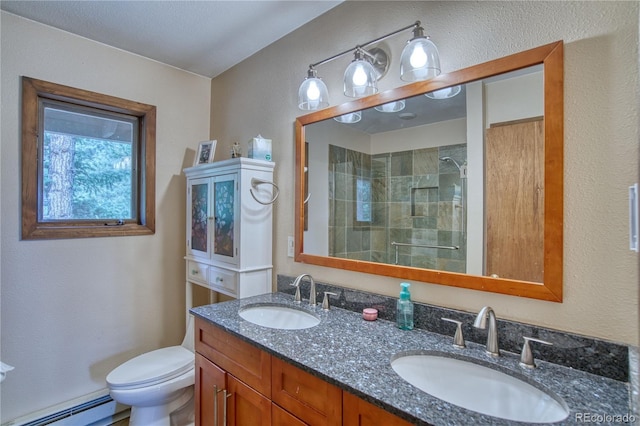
{"x":309,"y":398}
{"x":245,"y":406}
{"x":280,"y":417}
{"x":358,"y":412}
{"x":209,"y":379}
{"x":236,"y":357}
{"x":514,"y":200}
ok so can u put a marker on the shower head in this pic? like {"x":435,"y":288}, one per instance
{"x":445,"y":159}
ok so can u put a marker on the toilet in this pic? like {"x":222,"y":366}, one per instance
{"x":157,"y":384}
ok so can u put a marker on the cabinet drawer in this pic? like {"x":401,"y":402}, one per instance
{"x":308,"y":397}
{"x":224,"y":281}
{"x":197,"y":271}
{"x":243,"y":360}
{"x":358,"y":412}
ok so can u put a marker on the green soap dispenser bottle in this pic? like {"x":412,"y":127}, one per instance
{"x":404,"y":314}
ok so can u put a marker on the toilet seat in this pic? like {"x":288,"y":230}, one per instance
{"x":151,"y":368}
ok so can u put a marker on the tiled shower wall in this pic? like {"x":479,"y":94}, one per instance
{"x":409,"y":197}
{"x":348,"y":236}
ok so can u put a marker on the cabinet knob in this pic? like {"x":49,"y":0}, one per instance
{"x":219,"y":279}
{"x":194,"y":272}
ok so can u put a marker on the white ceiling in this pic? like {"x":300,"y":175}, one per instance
{"x":203,"y":37}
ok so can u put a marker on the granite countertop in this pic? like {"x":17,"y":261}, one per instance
{"x":355,"y":355}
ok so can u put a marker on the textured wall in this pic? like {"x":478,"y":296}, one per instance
{"x":601,"y":136}
{"x":72,"y":310}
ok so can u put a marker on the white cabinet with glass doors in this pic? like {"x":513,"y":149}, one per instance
{"x":229,"y":227}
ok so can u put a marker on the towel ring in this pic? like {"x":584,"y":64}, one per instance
{"x":255,"y":182}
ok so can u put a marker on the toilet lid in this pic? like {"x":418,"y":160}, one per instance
{"x":151,"y":367}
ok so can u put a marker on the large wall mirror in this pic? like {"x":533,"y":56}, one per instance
{"x":457,"y":180}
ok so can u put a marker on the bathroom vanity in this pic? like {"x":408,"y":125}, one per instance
{"x":238,"y":383}
{"x":340,"y":372}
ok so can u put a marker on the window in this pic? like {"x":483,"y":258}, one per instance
{"x":88,"y":163}
{"x":363,"y":200}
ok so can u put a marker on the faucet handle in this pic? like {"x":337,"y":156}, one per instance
{"x":325,"y":301}
{"x":458,"y":339}
{"x":297,"y":298}
{"x":526,"y":357}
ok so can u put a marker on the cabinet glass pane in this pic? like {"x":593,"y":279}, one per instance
{"x":199,"y":216}
{"x":223,"y":211}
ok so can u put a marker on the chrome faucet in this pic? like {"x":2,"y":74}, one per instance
{"x":312,"y":291}
{"x":492,"y":335}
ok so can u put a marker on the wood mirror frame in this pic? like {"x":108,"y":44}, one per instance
{"x":551,"y":56}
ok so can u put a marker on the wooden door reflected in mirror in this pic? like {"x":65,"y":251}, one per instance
{"x":514,"y":200}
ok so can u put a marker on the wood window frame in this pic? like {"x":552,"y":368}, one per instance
{"x":33,"y":91}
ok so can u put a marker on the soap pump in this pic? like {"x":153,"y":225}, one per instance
{"x":404,"y":313}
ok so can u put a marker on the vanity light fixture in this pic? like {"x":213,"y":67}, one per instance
{"x":419,"y":61}
{"x":360,"y":77}
{"x":313,"y":92}
{"x":350,"y":118}
{"x":395,"y":106}
{"x":446,"y":93}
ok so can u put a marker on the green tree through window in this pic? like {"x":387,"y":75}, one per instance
{"x":86,"y":178}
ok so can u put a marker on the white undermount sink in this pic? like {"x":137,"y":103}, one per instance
{"x":479,"y":388}
{"x":278,"y":316}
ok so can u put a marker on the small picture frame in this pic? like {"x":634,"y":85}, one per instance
{"x":205,"y":152}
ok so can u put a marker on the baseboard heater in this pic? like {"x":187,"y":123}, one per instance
{"x":87,"y":413}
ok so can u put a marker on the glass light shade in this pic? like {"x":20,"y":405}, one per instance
{"x":446,"y":93}
{"x":360,"y":78}
{"x":313,"y":93}
{"x":391,"y":106}
{"x":420,"y":60}
{"x":352,"y":117}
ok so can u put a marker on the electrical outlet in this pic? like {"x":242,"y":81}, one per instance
{"x":290,"y":246}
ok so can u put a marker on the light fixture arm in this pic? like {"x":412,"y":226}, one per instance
{"x":360,"y":51}
{"x":415,"y":26}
